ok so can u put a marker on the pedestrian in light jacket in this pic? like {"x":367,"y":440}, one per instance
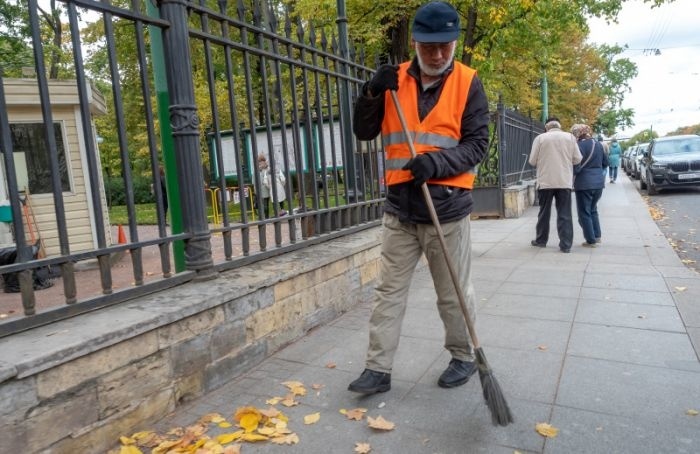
{"x":554,"y":154}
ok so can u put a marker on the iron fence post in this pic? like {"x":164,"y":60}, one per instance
{"x":185,"y":130}
{"x":354,"y":182}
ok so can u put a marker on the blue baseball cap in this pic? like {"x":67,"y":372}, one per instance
{"x":436,"y":22}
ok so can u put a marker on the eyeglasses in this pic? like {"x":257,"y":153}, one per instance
{"x":432,"y":48}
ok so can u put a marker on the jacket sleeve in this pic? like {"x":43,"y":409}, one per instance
{"x":534,"y":152}
{"x":576,"y":155}
{"x":473,"y":143}
{"x":368,"y":115}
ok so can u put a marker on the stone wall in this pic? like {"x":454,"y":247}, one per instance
{"x":517,"y":198}
{"x":77,"y":385}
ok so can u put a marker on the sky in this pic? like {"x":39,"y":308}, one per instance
{"x":666,"y":93}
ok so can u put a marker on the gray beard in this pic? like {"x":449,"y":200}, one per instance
{"x":435,"y":72}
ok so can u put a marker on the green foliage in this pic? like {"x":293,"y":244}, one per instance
{"x":694,"y":129}
{"x":114,"y":190}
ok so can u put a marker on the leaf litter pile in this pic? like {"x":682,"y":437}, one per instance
{"x":247,"y":425}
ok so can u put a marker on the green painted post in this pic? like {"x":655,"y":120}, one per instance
{"x":170,"y":166}
{"x":545,"y":97}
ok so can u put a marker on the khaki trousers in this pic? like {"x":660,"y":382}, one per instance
{"x":402,"y":246}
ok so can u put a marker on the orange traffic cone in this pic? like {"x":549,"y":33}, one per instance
{"x":121,"y":236}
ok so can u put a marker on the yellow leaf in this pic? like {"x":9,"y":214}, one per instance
{"x":312,"y":418}
{"x":692,"y":412}
{"x":267,"y":431}
{"x":126,"y":440}
{"x":228,"y":438}
{"x":253,"y":437}
{"x":225,"y":425}
{"x":296,"y":387}
{"x":212,"y":417}
{"x":242,"y":411}
{"x":290,"y":439}
{"x":343,"y":411}
{"x":250,"y":421}
{"x":362,"y":448}
{"x":380,"y":423}
{"x":271,"y":412}
{"x":130,"y":449}
{"x":289,"y":401}
{"x":356,"y":413}
{"x":274,"y":400}
{"x":681,"y":289}
{"x":233,"y":449}
{"x":546,"y":430}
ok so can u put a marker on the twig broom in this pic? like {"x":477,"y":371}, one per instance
{"x":495,"y":401}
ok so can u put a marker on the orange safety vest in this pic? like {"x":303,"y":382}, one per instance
{"x":440,"y":129}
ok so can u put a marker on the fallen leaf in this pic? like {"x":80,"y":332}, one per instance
{"x":267,"y":431}
{"x":126,"y":440}
{"x":296,"y":387}
{"x":692,"y":412}
{"x":316,"y":386}
{"x":130,"y":449}
{"x":229,"y":437}
{"x":546,"y":430}
{"x":253,"y":437}
{"x":681,"y":289}
{"x":542,"y":347}
{"x":331,"y":365}
{"x":380,"y":423}
{"x":224,"y":425}
{"x":362,"y":448}
{"x":274,"y":400}
{"x":212,"y":417}
{"x":233,"y":449}
{"x":271,"y":412}
{"x":290,"y":439}
{"x":289,"y":401}
{"x":312,"y":418}
{"x":248,"y":418}
{"x":381,"y":405}
{"x":356,"y":413}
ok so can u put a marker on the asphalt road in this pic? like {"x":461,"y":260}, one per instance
{"x":677,"y":212}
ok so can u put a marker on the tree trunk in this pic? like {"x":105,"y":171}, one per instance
{"x":399,"y":39}
{"x":469,"y":32}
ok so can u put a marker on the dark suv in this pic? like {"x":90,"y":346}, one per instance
{"x":671,"y":162}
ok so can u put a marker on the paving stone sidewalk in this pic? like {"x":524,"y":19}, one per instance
{"x":600,"y":343}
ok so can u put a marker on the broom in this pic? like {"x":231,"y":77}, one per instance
{"x":495,"y":401}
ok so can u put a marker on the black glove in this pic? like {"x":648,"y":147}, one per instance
{"x":386,"y":78}
{"x":422,"y":167}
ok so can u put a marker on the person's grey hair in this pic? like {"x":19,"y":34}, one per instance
{"x":552,"y":124}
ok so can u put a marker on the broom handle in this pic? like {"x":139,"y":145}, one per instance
{"x":438,"y":228}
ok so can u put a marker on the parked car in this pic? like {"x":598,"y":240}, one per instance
{"x":625,"y":159}
{"x":636,"y":159}
{"x":671,"y":162}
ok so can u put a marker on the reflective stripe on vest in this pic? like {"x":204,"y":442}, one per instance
{"x":440,"y":129}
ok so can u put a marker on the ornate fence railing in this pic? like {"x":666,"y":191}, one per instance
{"x":194,"y":91}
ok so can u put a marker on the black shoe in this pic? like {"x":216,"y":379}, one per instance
{"x":371,"y":382}
{"x":456,"y":374}
{"x":565,"y":250}
{"x":536,"y":244}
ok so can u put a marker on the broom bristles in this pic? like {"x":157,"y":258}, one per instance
{"x":495,"y":400}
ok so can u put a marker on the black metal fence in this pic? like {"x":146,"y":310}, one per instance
{"x":512,"y":135}
{"x":198,"y":91}
{"x":194,"y":94}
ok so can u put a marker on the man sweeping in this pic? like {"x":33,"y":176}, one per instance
{"x":447,"y":115}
